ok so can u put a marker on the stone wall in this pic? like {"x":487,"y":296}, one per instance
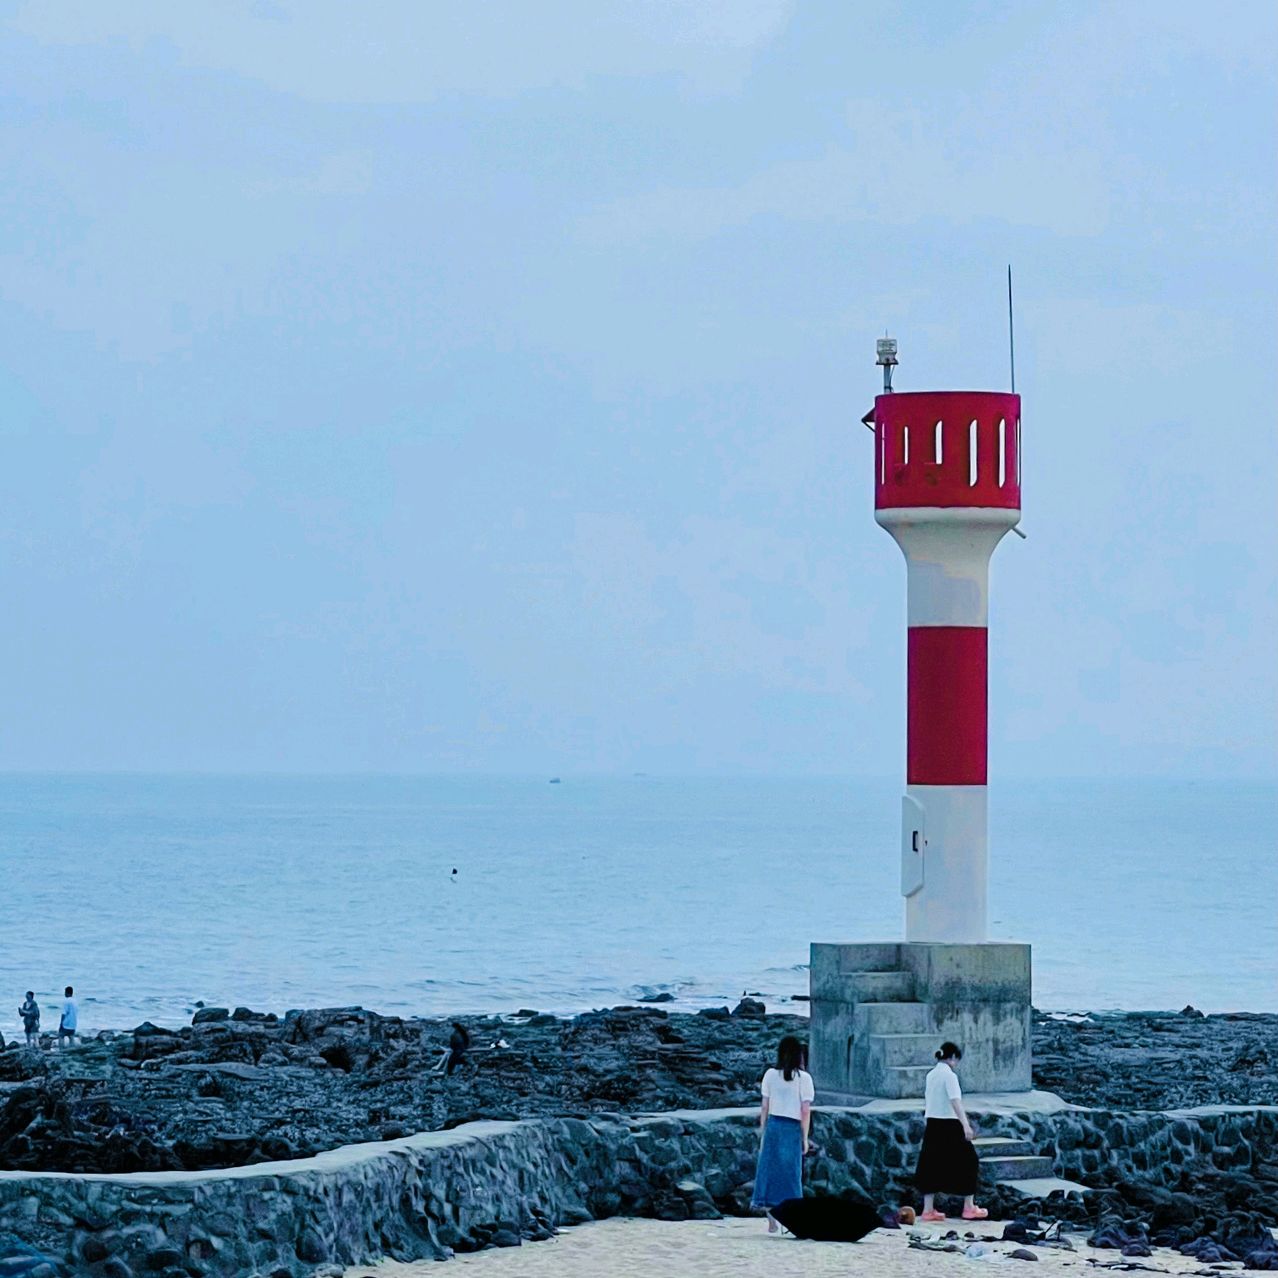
{"x":496,"y":1183}
{"x":1152,"y":1148}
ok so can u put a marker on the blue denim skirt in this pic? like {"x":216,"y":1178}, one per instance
{"x":780,"y":1172}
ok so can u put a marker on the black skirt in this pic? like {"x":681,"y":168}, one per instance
{"x":947,"y":1161}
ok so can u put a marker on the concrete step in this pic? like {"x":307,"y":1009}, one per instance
{"x":904,"y":1049}
{"x":1041,"y":1186}
{"x":899,"y":1018}
{"x":880,"y":987}
{"x":1002,"y":1147}
{"x":901,"y":1082}
{"x":1020,"y":1167}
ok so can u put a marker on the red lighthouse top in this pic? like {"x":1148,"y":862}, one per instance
{"x":947,"y":448}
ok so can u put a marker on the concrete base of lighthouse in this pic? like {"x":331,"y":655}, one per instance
{"x":880,"y":1011}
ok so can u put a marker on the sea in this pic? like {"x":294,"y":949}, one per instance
{"x":463,"y":894}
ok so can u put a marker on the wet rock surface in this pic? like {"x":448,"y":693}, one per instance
{"x":1158,"y":1060}
{"x":243,"y":1087}
{"x":238,"y":1089}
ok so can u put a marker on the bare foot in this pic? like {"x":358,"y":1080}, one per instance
{"x":772,"y":1224}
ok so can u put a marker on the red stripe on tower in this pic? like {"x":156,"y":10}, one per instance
{"x":946,"y":726}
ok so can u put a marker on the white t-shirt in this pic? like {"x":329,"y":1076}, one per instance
{"x":69,"y":1014}
{"x":784,"y":1098}
{"x":942,"y":1087}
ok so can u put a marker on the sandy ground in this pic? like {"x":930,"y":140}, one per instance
{"x":728,"y":1248}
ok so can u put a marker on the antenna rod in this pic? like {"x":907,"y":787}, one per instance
{"x":1011,"y":331}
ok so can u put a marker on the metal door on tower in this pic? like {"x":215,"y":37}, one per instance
{"x":913,"y":845}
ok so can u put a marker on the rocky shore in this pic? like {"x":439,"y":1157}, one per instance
{"x":240,"y":1087}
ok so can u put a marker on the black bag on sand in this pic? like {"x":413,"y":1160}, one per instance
{"x":828,"y":1217}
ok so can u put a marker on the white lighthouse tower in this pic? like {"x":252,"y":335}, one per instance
{"x":947,"y":486}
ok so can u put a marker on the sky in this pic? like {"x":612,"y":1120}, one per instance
{"x":436,"y":388}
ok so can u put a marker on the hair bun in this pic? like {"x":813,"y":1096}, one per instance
{"x":939,"y":1057}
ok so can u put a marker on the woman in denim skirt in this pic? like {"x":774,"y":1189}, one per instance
{"x":786,"y":1118}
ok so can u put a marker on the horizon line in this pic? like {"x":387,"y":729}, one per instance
{"x":616,"y":774}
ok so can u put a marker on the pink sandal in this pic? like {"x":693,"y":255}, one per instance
{"x":932,"y":1215}
{"x":977,"y":1213}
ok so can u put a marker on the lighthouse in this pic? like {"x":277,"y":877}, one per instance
{"x":947,"y":487}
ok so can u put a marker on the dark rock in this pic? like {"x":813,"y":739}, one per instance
{"x":1190,"y":1010}
{"x":663,"y":997}
{"x":163,"y":1258}
{"x":209,"y":1015}
{"x":147,"y":1029}
{"x":114,"y":1267}
{"x":339,"y":1056}
{"x":715,"y":1013}
{"x":700,"y":1205}
{"x":246,"y":1014}
{"x":750,"y":1007}
{"x":1022,"y":1253}
{"x":93,"y":1249}
{"x":309,"y":1025}
{"x":1253,"y":1056}
{"x":278,"y":1149}
{"x":671,"y":1207}
{"x":148,"y":1046}
{"x":311,"y":1247}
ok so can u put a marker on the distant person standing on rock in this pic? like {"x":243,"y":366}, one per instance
{"x":458,"y":1045}
{"x":70,"y":1019}
{"x":30,"y":1013}
{"x":786,"y":1118}
{"x":947,"y":1162}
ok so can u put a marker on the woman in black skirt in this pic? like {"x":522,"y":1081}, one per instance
{"x":947,"y":1161}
